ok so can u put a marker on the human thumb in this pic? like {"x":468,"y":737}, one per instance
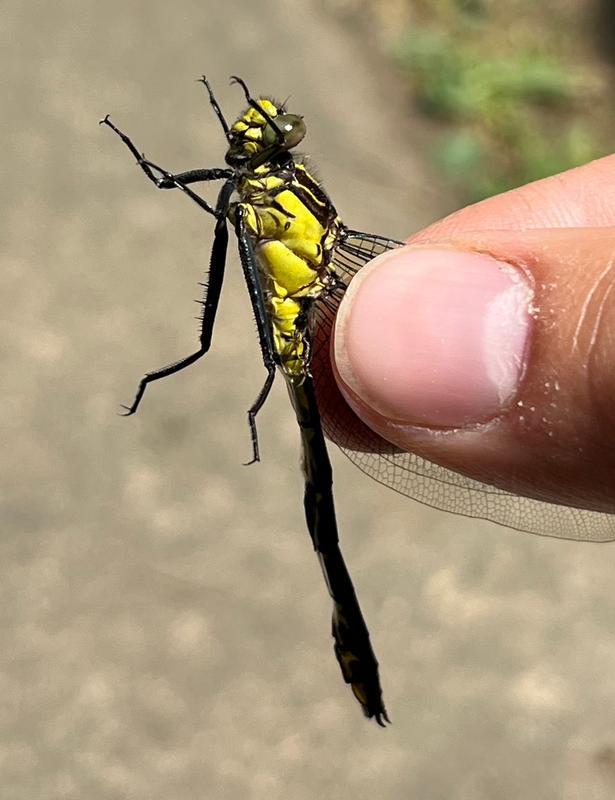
{"x":491,"y":353}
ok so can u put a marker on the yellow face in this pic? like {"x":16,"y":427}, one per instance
{"x":247,"y":131}
{"x":255,"y":134}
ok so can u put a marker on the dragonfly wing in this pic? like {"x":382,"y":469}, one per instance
{"x":407,"y":473}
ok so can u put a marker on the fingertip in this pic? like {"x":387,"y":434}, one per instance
{"x":491,"y":354}
{"x":434,"y":336}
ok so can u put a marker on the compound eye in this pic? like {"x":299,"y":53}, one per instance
{"x":293,"y":130}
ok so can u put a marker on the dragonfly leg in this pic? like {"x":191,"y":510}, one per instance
{"x":257,"y":298}
{"x":167,"y":179}
{"x":253,"y":411}
{"x":194,"y":176}
{"x":210,"y":300}
{"x":215,"y":106}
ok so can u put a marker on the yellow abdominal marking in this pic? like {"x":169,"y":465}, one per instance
{"x":290,"y":274}
{"x":289,"y":251}
{"x":288,"y":237}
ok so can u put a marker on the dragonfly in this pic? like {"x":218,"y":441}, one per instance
{"x":298,"y":258}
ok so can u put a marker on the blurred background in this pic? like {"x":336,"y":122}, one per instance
{"x":519,"y":90}
{"x":165,"y":628}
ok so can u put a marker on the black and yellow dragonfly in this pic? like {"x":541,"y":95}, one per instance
{"x":297,"y":258}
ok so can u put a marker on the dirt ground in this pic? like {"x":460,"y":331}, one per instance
{"x":165,"y":629}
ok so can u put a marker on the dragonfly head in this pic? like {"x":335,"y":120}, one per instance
{"x":256,"y":137}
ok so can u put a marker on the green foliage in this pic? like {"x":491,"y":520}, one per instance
{"x":513,"y":109}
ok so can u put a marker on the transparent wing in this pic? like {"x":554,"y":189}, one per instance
{"x":407,"y":473}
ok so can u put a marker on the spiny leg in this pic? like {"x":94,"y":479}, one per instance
{"x":194,"y":176}
{"x":253,"y":411}
{"x":257,"y":299}
{"x":210,"y":300}
{"x":167,"y":178}
{"x":215,"y":106}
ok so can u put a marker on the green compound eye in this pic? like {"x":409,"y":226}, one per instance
{"x":292,"y":127}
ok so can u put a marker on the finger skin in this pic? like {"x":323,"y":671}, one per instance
{"x":556,"y":441}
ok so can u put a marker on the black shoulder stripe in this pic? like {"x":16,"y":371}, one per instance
{"x":313,"y":197}
{"x":303,"y":177}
